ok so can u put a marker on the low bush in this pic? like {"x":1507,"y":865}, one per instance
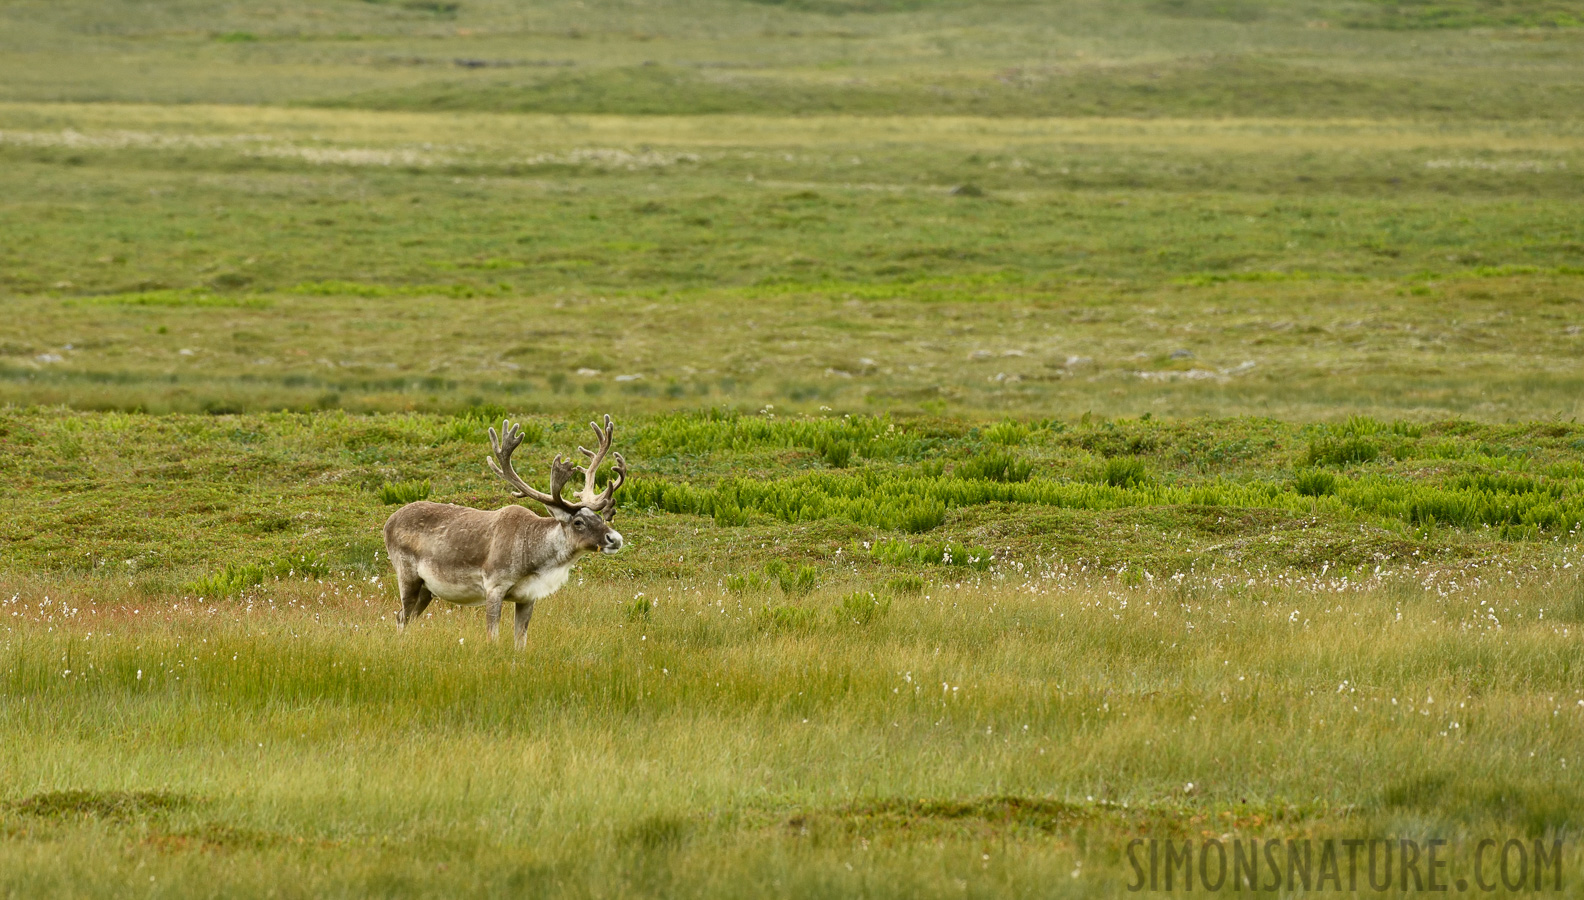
{"x":861,"y":607}
{"x":1008,"y":433}
{"x":836,"y":440}
{"x":837,"y":454}
{"x":1346,"y":451}
{"x":931,"y":554}
{"x":787,"y":617}
{"x":404,"y":492}
{"x":793,"y":582}
{"x":918,"y":499}
{"x":1002,"y":466}
{"x":1124,"y":472}
{"x":1315,"y":483}
{"x":234,"y":579}
{"x":742,"y":584}
{"x":905,"y":585}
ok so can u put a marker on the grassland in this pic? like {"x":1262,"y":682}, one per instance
{"x":998,"y":736}
{"x":764,"y":690}
{"x":1052,"y":424}
{"x":178,"y":260}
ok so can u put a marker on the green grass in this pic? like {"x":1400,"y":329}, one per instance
{"x":1049,"y":424}
{"x":1068,"y":57}
{"x":725,"y":744}
{"x":290,"y":495}
{"x":1115,"y":266}
{"x":1230,"y":86}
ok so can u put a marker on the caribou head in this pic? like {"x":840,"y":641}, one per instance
{"x":587,"y":521}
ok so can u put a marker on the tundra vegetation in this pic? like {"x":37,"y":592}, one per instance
{"x":1049,"y":425}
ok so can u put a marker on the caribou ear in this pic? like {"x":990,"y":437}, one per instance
{"x":562,"y":514}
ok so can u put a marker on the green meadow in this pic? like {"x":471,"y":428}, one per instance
{"x":1052,"y":425}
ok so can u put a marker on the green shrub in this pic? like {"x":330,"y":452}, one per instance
{"x":1315,"y":483}
{"x":916,"y":501}
{"x":638,"y":610}
{"x":471,"y":425}
{"x":1001,"y":466}
{"x":741,"y":584}
{"x":797,"y":582}
{"x":1364,"y":426}
{"x":1124,"y":472}
{"x":793,"y":582}
{"x":234,"y":579}
{"x":492,"y":414}
{"x":905,"y":585}
{"x":1007,"y":433}
{"x":728,"y":514}
{"x":404,"y":492}
{"x":786,"y":618}
{"x":438,"y":7}
{"x":837,"y":454}
{"x":722,"y":431}
{"x":1442,"y":450}
{"x":1333,"y":452}
{"x":902,"y":553}
{"x":1504,"y":483}
{"x":1361,"y":426}
{"x":861,"y":607}
{"x":921,"y":516}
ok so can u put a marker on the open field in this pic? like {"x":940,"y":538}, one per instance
{"x":203,"y":258}
{"x":1119,"y":629}
{"x":1003,"y":736}
{"x":1451,"y":59}
{"x":1052,"y":425}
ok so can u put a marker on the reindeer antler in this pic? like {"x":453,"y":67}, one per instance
{"x":504,"y":444}
{"x":605,"y":501}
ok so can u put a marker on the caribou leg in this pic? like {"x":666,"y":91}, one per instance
{"x":524,"y":613}
{"x":492,"y":614}
{"x":424,"y":598}
{"x":414,"y":597}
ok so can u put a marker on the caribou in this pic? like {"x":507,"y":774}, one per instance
{"x":475,"y":557}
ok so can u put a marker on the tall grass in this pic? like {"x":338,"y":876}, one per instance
{"x":717,"y":741}
{"x":925,"y":653}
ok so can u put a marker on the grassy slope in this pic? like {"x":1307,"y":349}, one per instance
{"x":759,"y":694}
